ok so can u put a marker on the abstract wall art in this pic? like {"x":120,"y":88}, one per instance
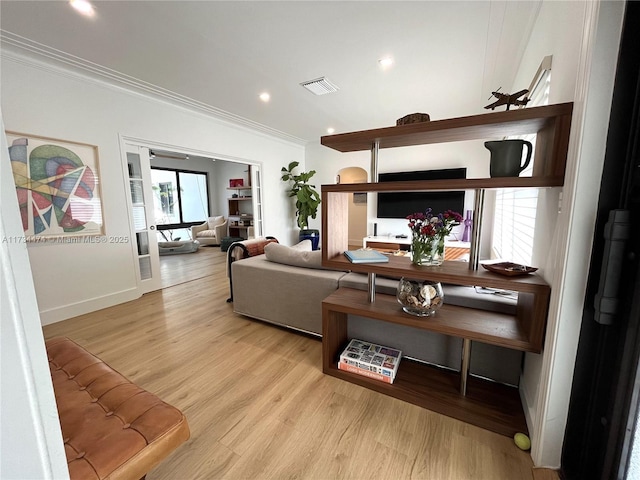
{"x":57,"y":184}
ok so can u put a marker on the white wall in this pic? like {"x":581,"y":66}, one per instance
{"x":41,"y":99}
{"x":30,"y":438}
{"x":328,"y":162}
{"x":583,"y":38}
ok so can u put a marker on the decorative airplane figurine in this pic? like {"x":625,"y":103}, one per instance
{"x":507,"y":99}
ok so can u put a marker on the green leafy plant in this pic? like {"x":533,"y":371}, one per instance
{"x":307,"y":198}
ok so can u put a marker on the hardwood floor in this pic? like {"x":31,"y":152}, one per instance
{"x":259,"y":406}
{"x":177,"y":269}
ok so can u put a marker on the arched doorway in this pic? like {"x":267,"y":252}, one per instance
{"x":357,"y":205}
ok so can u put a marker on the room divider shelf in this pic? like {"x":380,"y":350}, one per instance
{"x":482,"y":403}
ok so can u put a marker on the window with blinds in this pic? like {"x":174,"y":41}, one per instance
{"x":515,"y":208}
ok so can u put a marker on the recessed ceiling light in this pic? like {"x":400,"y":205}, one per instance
{"x":330,"y":130}
{"x":83,"y":7}
{"x":386,"y":62}
{"x":265,"y":97}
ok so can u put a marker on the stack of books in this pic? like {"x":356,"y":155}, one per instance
{"x":370,"y":360}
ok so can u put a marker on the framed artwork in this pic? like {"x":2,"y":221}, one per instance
{"x":58,"y":186}
{"x":236,"y":182}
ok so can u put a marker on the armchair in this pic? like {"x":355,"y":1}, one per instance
{"x":210,"y":232}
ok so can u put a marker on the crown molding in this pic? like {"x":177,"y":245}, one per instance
{"x":29,"y":52}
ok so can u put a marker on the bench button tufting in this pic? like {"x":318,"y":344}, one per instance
{"x":71,"y":377}
{"x":82,"y":389}
{"x":80,"y":455}
{"x":126,"y":425}
{"x":66,"y":440}
{"x":109,"y":414}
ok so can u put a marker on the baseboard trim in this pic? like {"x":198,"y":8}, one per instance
{"x":71,"y":310}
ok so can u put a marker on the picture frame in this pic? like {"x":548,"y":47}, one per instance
{"x":58,"y":186}
{"x":236,"y":182}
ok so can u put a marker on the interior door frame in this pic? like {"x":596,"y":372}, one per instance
{"x":256,"y":183}
{"x":144,"y":285}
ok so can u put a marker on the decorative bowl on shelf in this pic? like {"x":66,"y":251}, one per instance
{"x":421,"y":298}
{"x":509,"y":269}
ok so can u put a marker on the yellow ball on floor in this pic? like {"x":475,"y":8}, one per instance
{"x":522,"y":441}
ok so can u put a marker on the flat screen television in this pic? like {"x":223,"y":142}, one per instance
{"x":402,"y":204}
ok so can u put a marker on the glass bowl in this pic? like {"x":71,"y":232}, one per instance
{"x":421,"y":298}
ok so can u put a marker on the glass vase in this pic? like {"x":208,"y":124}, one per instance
{"x":421,"y":298}
{"x":427,"y":251}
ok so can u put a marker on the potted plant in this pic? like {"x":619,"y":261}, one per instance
{"x":307,"y":200}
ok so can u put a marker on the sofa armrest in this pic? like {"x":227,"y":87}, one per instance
{"x":221,"y":231}
{"x":198,"y":228}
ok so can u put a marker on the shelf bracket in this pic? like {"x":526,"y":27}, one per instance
{"x":371,"y":284}
{"x":464,"y":365}
{"x":375,"y":150}
{"x":476,"y":232}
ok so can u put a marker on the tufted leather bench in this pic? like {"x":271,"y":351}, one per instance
{"x":112,"y":428}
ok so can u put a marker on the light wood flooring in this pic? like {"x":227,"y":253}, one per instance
{"x":259,"y":406}
{"x":177,"y":269}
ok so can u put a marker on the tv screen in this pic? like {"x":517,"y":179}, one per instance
{"x":402,"y":204}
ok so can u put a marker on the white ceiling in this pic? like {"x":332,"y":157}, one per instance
{"x":220,"y":56}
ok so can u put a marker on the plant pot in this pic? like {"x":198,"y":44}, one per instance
{"x":311,"y":234}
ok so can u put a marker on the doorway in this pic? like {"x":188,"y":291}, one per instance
{"x":603,"y":411}
{"x":357,"y":205}
{"x":183,"y":188}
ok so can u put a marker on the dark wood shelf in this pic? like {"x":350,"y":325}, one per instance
{"x":488,"y":327}
{"x":454,"y":272}
{"x":488,"y":126}
{"x":488,"y":405}
{"x":458,"y":184}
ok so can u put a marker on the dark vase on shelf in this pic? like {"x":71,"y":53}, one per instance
{"x":310,"y":234}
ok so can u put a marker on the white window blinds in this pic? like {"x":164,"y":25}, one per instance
{"x":515,"y":208}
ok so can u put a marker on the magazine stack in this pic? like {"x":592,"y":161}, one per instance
{"x":370,"y":360}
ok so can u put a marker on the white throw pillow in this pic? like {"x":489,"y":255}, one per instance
{"x":278,"y":253}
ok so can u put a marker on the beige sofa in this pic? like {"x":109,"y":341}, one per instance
{"x":287,"y":289}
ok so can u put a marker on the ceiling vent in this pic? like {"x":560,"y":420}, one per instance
{"x":320,"y":86}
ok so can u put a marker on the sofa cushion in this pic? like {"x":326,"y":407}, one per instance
{"x":207,"y":233}
{"x":214,"y":221}
{"x":304,"y":246}
{"x":294,"y":256}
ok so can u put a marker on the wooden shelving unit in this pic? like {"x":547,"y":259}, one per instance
{"x":240,"y":212}
{"x":482,"y":403}
{"x":488,"y":405}
{"x":551,"y":124}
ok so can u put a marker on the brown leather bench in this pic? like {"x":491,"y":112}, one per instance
{"x":112,"y":429}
